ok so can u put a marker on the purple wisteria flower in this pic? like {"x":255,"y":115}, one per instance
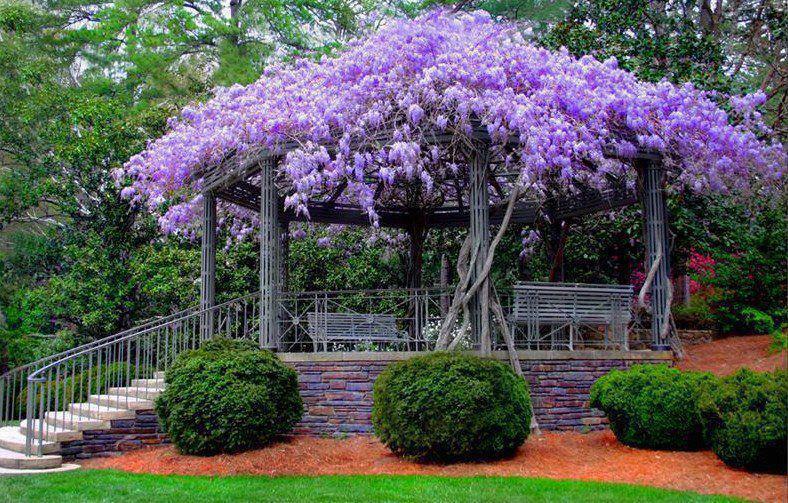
{"x":553,"y":118}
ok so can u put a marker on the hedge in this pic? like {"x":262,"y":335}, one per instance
{"x":449,"y":406}
{"x":653,"y":406}
{"x":228,"y":397}
{"x":744,"y":417}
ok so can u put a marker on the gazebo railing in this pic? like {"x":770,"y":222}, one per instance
{"x":362,"y":320}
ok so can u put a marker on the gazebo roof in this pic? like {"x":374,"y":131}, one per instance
{"x":233,"y":181}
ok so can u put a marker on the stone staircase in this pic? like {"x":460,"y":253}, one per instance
{"x":68,"y":425}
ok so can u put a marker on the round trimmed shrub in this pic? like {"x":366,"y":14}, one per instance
{"x":228,"y":396}
{"x":653,"y":406}
{"x":450,"y":406}
{"x":744,"y":417}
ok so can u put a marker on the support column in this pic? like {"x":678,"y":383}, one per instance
{"x":479,"y":203}
{"x":270,"y":258}
{"x":655,"y":229}
{"x":208,"y":265}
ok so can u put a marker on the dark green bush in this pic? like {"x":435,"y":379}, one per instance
{"x":449,"y":406}
{"x":696,"y":315}
{"x":744,"y":417}
{"x":226,"y":397}
{"x":652,"y":406}
{"x":756,"y":322}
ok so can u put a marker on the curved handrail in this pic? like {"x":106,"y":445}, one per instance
{"x":147,"y":324}
{"x":121,"y":337}
{"x":72,"y":384}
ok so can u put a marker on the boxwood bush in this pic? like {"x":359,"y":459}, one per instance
{"x":228,"y":396}
{"x":450,"y":406}
{"x":744,"y":417}
{"x":653,"y":406}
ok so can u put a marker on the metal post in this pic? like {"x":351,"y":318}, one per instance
{"x":479,"y":202}
{"x":208,"y":265}
{"x":656,"y":237}
{"x":270,"y":257}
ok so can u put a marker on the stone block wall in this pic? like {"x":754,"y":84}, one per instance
{"x":124,"y":435}
{"x":337,"y":388}
{"x":337,"y":393}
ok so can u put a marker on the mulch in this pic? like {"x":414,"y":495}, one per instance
{"x":727,"y":355}
{"x":594,"y":456}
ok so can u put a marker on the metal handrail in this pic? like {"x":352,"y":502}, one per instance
{"x":56,"y":390}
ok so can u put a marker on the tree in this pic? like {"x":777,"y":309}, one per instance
{"x":734,"y":47}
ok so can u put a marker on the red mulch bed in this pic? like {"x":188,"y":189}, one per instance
{"x":725,"y":356}
{"x":594,"y":456}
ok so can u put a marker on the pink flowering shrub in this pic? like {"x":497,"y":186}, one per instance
{"x":552,"y":118}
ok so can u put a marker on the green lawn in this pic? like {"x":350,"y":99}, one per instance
{"x":104,"y":485}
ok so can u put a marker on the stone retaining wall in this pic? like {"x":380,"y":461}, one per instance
{"x":337,"y":393}
{"x":124,"y":435}
{"x":692,"y":337}
{"x":337,"y":388}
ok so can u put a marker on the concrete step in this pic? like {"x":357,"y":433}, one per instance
{"x":136,"y":392}
{"x":12,"y":460}
{"x":102,"y":412}
{"x":121,"y":402}
{"x":69,"y":420}
{"x":148,"y":383}
{"x":159,"y":375}
{"x":50,"y":432}
{"x":13,"y":440}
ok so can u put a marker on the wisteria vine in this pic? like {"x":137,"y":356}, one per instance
{"x":553,"y":118}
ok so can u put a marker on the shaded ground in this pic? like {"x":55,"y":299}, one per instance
{"x":725,"y":356}
{"x":594,"y":456}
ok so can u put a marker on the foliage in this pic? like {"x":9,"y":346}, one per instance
{"x":696,"y":315}
{"x":749,"y":280}
{"x":722,"y":46}
{"x":779,"y":339}
{"x":745,"y":418}
{"x":652,"y":406}
{"x":449,"y":406}
{"x":350,"y":261}
{"x":228,"y":396}
{"x":654,"y":43}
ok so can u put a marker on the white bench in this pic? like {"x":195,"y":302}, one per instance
{"x":325,"y":327}
{"x":573,"y":306}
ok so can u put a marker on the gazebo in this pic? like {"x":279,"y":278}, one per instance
{"x":446,"y":121}
{"x":252,"y":183}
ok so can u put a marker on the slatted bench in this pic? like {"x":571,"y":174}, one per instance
{"x":573,"y":306}
{"x":325,"y":327}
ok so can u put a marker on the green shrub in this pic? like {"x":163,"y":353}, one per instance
{"x":653,"y":406}
{"x":226,"y":397}
{"x":450,"y":406}
{"x":744,"y":417}
{"x":696,"y":315}
{"x":756,"y":322}
{"x":779,"y":339}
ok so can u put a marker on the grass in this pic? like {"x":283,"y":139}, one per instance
{"x":106,"y":485}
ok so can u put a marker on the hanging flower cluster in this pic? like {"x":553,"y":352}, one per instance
{"x":553,"y":118}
